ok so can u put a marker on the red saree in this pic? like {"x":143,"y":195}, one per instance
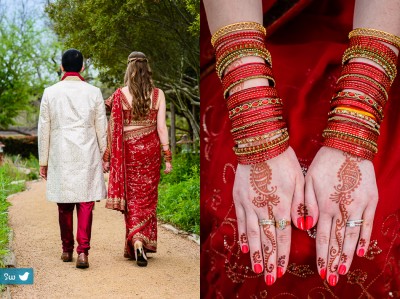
{"x":134,"y":176}
{"x":306,"y":42}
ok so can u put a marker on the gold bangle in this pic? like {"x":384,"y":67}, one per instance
{"x":368,"y":79}
{"x":345,"y":119}
{"x":370,"y":145}
{"x":237,"y":27}
{"x":256,"y":123}
{"x":226,"y":91}
{"x":240,"y":53}
{"x":391,"y":38}
{"x":261,"y":137}
{"x":346,"y":111}
{"x":258,"y":148}
{"x":389,"y":67}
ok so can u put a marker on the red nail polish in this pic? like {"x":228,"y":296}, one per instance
{"x":309,"y":222}
{"x":342,"y":269}
{"x":300,"y":223}
{"x":257,"y":268}
{"x":322,"y":273}
{"x":269,"y":279}
{"x":245,"y":248}
{"x":332,"y":280}
{"x":360,"y":252}
{"x":279,"y":272}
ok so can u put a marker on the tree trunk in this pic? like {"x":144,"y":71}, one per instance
{"x":173,"y":129}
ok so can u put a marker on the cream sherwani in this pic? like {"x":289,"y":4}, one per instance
{"x":72,"y":139}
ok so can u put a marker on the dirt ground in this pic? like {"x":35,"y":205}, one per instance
{"x":172,"y":272}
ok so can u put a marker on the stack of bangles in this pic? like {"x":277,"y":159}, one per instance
{"x":167,"y":154}
{"x":258,"y":128}
{"x":362,"y":92}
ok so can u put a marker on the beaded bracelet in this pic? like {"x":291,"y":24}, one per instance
{"x":377,"y":34}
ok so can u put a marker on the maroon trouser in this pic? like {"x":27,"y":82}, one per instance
{"x":85,"y":216}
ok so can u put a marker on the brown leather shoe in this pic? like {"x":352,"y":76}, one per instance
{"x":82,"y":261}
{"x":66,"y":256}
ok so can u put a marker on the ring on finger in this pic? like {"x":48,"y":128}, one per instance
{"x":354,"y":223}
{"x":262,"y":222}
{"x":282,"y":223}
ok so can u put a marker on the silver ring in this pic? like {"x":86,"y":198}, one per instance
{"x":354,"y":223}
{"x":266,"y":222}
{"x":282,"y":223}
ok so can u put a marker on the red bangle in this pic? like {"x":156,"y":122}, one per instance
{"x":348,"y":148}
{"x":356,"y":104}
{"x":361,"y":87}
{"x":252,"y":93}
{"x":241,"y":35}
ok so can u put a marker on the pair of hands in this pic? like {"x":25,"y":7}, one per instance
{"x":168,"y":167}
{"x":338,"y":187}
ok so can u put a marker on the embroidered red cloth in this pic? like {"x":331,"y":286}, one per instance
{"x":116,"y":183}
{"x":72,"y":74}
{"x":306,"y":44}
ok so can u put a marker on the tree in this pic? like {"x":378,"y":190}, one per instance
{"x":166,"y":30}
{"x":26,"y":65}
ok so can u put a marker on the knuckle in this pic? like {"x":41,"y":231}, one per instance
{"x":283,"y":238}
{"x":323,"y":240}
{"x":252,"y":234}
{"x":351,"y":235}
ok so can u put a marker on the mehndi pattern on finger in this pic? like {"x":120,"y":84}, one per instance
{"x":349,"y":176}
{"x":260,"y":181}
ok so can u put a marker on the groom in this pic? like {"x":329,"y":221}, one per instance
{"x":72,"y":139}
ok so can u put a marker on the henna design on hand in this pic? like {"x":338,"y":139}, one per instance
{"x":343,"y":258}
{"x":349,"y":176}
{"x":321,"y":262}
{"x":281,"y":261}
{"x":260,"y":178}
{"x":362,"y":242}
{"x":260,"y":181}
{"x":243,"y":238}
{"x":302,"y":210}
{"x":257,"y":257}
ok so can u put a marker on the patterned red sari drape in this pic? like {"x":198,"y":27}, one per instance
{"x":306,"y":41}
{"x":134,"y":178}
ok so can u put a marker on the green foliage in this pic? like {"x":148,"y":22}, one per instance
{"x":179,"y":194}
{"x":25,"y":57}
{"x":8,"y":173}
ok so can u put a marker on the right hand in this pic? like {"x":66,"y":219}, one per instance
{"x":168,"y":167}
{"x":266,"y":191}
{"x":106,"y":167}
{"x":43,"y":172}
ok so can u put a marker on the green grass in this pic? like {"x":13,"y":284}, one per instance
{"x":8,"y":173}
{"x":179,"y":194}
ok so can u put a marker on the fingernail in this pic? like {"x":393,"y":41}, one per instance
{"x":245,"y":248}
{"x":309,"y":222}
{"x":279,"y":272}
{"x":332,"y":280}
{"x":257,"y":268}
{"x":322,"y":273}
{"x":360,"y":252}
{"x":269,"y":279}
{"x":342,"y":269}
{"x":300,"y":223}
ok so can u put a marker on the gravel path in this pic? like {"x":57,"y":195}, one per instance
{"x":173,"y":272}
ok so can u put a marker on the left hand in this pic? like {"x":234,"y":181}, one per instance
{"x":43,"y":172}
{"x":168,"y":167}
{"x":342,"y":187}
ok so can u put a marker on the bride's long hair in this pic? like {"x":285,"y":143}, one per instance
{"x":138,"y":78}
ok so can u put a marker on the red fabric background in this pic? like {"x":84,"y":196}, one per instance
{"x":306,"y":46}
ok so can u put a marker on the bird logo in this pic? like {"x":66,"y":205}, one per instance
{"x":24,"y":277}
